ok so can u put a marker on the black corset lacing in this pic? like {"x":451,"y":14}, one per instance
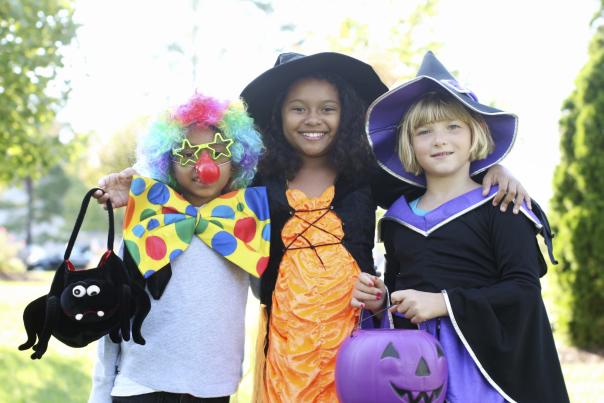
{"x":312,"y":224}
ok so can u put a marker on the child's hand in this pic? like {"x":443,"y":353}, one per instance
{"x":116,"y":187}
{"x":369,"y":292}
{"x":419,"y":306}
{"x":508,"y":187}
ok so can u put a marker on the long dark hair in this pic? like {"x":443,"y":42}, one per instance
{"x":349,"y":153}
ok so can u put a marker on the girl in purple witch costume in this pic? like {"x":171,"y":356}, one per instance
{"x":460,"y":269}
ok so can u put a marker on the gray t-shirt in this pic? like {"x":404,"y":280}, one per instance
{"x":194,"y":333}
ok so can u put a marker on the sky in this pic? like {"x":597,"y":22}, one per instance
{"x":521,"y":56}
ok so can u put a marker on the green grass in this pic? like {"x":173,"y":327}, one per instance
{"x":55,"y":379}
{"x":585,"y":381}
{"x":63,"y":375}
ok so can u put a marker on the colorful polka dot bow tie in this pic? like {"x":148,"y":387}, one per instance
{"x":160,"y":224}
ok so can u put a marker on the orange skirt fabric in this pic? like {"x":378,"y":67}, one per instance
{"x":311,"y":313}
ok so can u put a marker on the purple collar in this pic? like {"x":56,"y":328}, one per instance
{"x":401,"y":213}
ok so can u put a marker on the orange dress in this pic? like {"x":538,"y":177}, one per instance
{"x":311,"y":313}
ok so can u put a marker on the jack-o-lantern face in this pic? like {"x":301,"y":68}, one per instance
{"x":411,"y":376}
{"x":391,"y":366}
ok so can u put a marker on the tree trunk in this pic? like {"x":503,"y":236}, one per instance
{"x":29,"y":189}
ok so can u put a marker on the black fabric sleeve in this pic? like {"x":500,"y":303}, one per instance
{"x":386,"y":189}
{"x":505,"y":324}
{"x":359,"y":227}
{"x":392,"y":267}
{"x":518,"y":288}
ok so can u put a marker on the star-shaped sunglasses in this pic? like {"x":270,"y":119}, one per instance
{"x":188,"y":154}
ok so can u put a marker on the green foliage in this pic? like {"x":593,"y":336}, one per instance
{"x":96,"y":217}
{"x":397,"y":50}
{"x":32,"y":33}
{"x":9,"y":249}
{"x":578,"y":203}
{"x":115,"y":153}
{"x":119,"y":151}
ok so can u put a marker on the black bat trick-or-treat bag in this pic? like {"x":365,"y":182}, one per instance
{"x":85,"y":305}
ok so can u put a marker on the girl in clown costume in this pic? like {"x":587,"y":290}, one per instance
{"x":190,"y":227}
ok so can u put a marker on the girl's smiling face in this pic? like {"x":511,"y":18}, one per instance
{"x":443,"y":148}
{"x":192,"y":188}
{"x":311,"y":117}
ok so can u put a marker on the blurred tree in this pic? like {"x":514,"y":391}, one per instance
{"x":113,"y":153}
{"x":48,"y":207}
{"x":190,"y":48}
{"x":32,"y":32}
{"x":58,"y":199}
{"x":578,"y":201}
{"x":106,"y":154}
{"x":9,"y":251}
{"x":394,"y":49}
{"x":96,"y":217}
{"x":265,"y":5}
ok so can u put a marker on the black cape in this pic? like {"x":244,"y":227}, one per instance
{"x":489,"y":264}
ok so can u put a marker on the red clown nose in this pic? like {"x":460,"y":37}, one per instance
{"x":207,"y":170}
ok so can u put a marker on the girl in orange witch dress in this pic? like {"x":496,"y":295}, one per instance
{"x":310,"y":110}
{"x":311,"y":314}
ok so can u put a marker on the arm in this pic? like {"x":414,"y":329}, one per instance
{"x":104,"y":371}
{"x":357,"y":212}
{"x":510,"y":189}
{"x":386,"y":189}
{"x":417,"y":306}
{"x":392,"y":264}
{"x":116,"y":187}
{"x":507,"y":308}
{"x":518,"y":259}
{"x":509,"y":297}
{"x":504,"y":325}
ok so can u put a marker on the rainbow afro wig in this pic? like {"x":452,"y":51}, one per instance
{"x":154,"y":149}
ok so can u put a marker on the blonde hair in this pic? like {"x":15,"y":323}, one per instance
{"x":438,"y":107}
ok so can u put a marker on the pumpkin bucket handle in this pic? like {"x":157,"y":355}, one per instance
{"x":367,"y":319}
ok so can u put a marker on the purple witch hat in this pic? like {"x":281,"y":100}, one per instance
{"x":386,"y":113}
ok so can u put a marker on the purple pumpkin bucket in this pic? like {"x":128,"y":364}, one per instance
{"x":391,"y":365}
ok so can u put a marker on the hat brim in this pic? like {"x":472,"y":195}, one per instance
{"x":261,"y":93}
{"x":385,"y":114}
